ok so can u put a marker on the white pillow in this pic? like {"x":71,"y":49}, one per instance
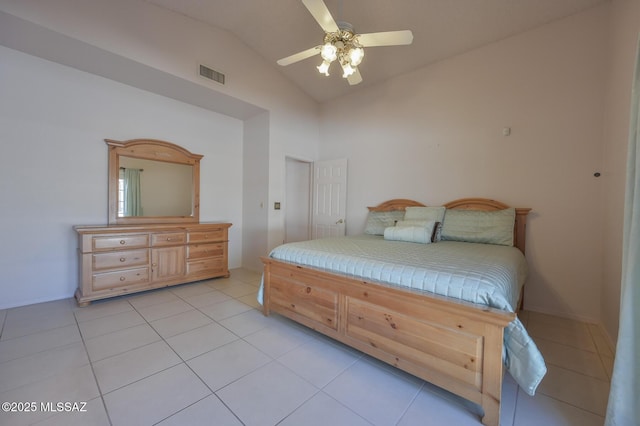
{"x":429,"y":224}
{"x":411,"y":234}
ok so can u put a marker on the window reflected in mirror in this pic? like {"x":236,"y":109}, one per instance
{"x":154,"y":188}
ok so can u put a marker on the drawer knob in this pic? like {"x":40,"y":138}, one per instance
{"x":122,"y":259}
{"x":123,"y":242}
{"x":122,"y":278}
{"x":168,"y":238}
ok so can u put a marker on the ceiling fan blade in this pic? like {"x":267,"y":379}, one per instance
{"x":389,"y":38}
{"x":355,"y":78}
{"x":299,"y":56}
{"x":320,"y":13}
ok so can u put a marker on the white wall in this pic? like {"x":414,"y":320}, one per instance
{"x":625,"y":30}
{"x":174,"y":44}
{"x":53,"y":167}
{"x":152,"y":48}
{"x":435,"y":135}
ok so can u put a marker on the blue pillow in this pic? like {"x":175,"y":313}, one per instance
{"x":474,"y":226}
{"x":378,"y":221}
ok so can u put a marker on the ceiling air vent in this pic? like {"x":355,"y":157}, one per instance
{"x":211,"y":74}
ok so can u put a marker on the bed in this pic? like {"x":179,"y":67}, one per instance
{"x":412,"y":305}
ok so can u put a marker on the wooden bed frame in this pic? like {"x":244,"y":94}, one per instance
{"x":451,"y":343}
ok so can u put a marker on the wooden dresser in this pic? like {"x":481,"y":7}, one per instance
{"x":123,"y":259}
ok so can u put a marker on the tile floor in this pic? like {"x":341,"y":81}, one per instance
{"x":202,"y":353}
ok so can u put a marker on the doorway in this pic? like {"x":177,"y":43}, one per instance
{"x":297,"y":208}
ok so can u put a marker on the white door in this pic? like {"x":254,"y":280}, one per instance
{"x":329,"y":198}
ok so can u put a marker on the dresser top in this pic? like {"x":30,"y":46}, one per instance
{"x":102,"y":229}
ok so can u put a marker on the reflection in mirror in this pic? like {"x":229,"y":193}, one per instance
{"x":154,"y":188}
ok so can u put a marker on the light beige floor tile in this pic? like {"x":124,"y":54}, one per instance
{"x":102,"y":309}
{"x":109,"y":324}
{"x":189,"y":320}
{"x":577,"y":336}
{"x":164,"y":310}
{"x":3,"y":315}
{"x":267,"y":395}
{"x":120,"y":341}
{"x":120,"y":370}
{"x":151,"y":298}
{"x":386,"y":398}
{"x":607,"y":362}
{"x":226,"y":309}
{"x":322,"y":410}
{"x":239,"y":290}
{"x":39,"y":366}
{"x":602,"y":343}
{"x":68,"y":385}
{"x":144,"y":373}
{"x":318,"y":361}
{"x":247,"y":322}
{"x":190,"y":290}
{"x":225,"y":283}
{"x":227,"y":363}
{"x":38,"y":342}
{"x":40,"y":309}
{"x":251,"y":300}
{"x":246,"y":275}
{"x":203,"y":412}
{"x":21,"y":325}
{"x":587,"y":393}
{"x":543,"y":410}
{"x":200,"y":340}
{"x":206,"y":299}
{"x":440,"y":410}
{"x":555,"y":321}
{"x":571,"y":358}
{"x":156,"y":397}
{"x":276,"y":341}
{"x":95,"y":415}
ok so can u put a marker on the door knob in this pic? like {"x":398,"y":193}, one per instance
{"x":339,"y":221}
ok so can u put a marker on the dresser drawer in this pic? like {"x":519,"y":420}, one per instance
{"x":199,"y":251}
{"x":125,"y":277}
{"x":168,"y":239}
{"x":212,"y":235}
{"x":210,"y":266}
{"x":120,"y":259}
{"x":116,"y":242}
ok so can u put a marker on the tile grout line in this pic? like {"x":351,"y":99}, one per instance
{"x":93,"y":372}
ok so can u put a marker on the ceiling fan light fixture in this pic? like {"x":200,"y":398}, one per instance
{"x":323,"y":68}
{"x":329,"y":52}
{"x":355,"y":56}
{"x":341,"y":42}
{"x":347,"y":69}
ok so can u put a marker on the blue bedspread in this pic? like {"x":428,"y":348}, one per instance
{"x":486,"y":274}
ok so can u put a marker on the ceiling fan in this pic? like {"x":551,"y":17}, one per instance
{"x":343,"y":44}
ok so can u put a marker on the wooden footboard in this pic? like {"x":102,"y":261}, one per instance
{"x":452,"y":344}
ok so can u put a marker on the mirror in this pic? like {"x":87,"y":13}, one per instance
{"x":152,"y":181}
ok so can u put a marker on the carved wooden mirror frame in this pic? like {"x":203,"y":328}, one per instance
{"x":151,"y":149}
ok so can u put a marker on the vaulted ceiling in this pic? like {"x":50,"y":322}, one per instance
{"x":441,"y":29}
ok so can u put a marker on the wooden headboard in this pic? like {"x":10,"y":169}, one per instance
{"x":483,"y":204}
